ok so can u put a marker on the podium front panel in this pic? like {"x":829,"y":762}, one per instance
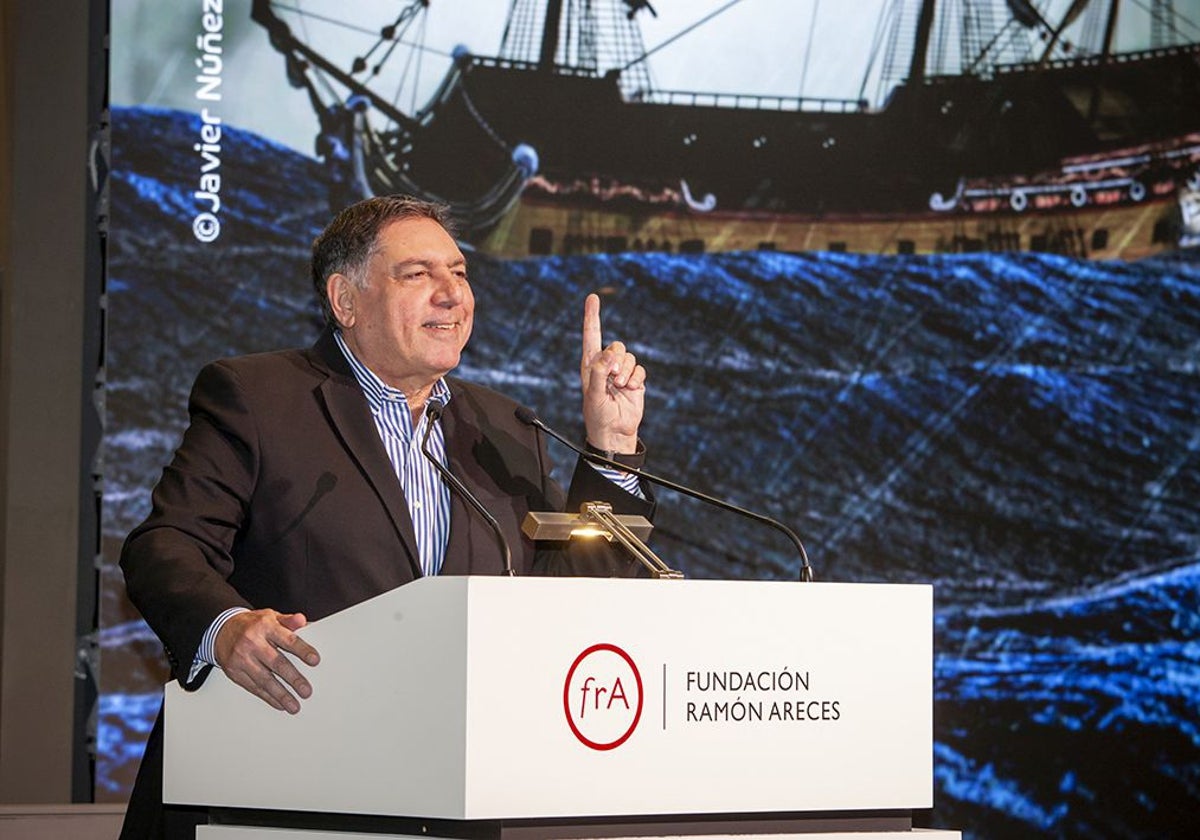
{"x":492,"y":698}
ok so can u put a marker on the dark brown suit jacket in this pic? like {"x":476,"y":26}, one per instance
{"x":281,"y":495}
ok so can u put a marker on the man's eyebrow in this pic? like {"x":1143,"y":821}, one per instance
{"x":401,"y":265}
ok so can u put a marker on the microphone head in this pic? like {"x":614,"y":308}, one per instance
{"x":527,"y":416}
{"x":434,"y":409}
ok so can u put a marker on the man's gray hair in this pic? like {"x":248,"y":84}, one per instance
{"x":347,"y":243}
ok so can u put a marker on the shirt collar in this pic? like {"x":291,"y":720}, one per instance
{"x":376,"y":390}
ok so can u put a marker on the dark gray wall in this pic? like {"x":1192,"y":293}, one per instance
{"x":50,"y":262}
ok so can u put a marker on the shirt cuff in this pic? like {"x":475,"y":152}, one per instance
{"x":629,"y":483}
{"x":205,"y":655}
{"x":626,"y":481}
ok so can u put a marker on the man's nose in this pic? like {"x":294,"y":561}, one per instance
{"x":451,"y":288}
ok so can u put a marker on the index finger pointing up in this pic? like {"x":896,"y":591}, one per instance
{"x":591,"y":328}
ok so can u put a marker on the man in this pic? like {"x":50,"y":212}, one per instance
{"x":301,"y":486}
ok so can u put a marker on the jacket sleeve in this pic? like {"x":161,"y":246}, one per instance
{"x":177,"y":562}
{"x":596,"y":557}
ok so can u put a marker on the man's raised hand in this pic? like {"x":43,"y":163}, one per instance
{"x":613,"y":387}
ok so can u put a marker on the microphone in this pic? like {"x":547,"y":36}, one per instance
{"x":433,"y":412}
{"x":529,"y":418}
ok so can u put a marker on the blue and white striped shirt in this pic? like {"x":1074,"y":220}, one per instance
{"x":428,"y":496}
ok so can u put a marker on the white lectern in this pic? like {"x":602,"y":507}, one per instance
{"x":539,"y":707}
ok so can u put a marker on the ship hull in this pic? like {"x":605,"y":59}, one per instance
{"x":537,"y":227}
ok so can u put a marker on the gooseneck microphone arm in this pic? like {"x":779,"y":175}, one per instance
{"x":433,"y":412}
{"x":529,"y":418}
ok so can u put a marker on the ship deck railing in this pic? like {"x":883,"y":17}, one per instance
{"x":695,"y":99}
{"x":1082,"y":61}
{"x":749,"y":101}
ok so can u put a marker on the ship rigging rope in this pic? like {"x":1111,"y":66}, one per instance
{"x":680,"y":34}
{"x":483,"y":123}
{"x":1170,"y":20}
{"x":296,"y":10}
{"x":876,"y":47}
{"x":402,"y":25}
{"x":360,"y":29}
{"x":812,"y":26}
{"x":413,"y":55}
{"x":1009,"y":29}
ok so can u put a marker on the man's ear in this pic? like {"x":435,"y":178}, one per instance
{"x":343,"y":298}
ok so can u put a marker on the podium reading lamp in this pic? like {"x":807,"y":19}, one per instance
{"x":596,"y":519}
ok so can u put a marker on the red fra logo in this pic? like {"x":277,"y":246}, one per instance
{"x":602,"y":697}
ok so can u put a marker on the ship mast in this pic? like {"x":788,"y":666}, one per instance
{"x":1110,"y":27}
{"x":916,"y":71}
{"x":550,"y":36}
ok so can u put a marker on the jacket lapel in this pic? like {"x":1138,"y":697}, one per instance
{"x":352,"y":422}
{"x":471,"y":547}
{"x":459,"y":434}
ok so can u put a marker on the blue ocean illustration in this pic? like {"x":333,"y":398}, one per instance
{"x":1021,"y":430}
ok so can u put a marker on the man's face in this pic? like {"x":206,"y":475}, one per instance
{"x":411,"y":322}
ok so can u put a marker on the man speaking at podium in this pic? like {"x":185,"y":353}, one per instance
{"x":304,"y":483}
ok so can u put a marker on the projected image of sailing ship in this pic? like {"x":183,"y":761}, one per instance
{"x":999,"y":125}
